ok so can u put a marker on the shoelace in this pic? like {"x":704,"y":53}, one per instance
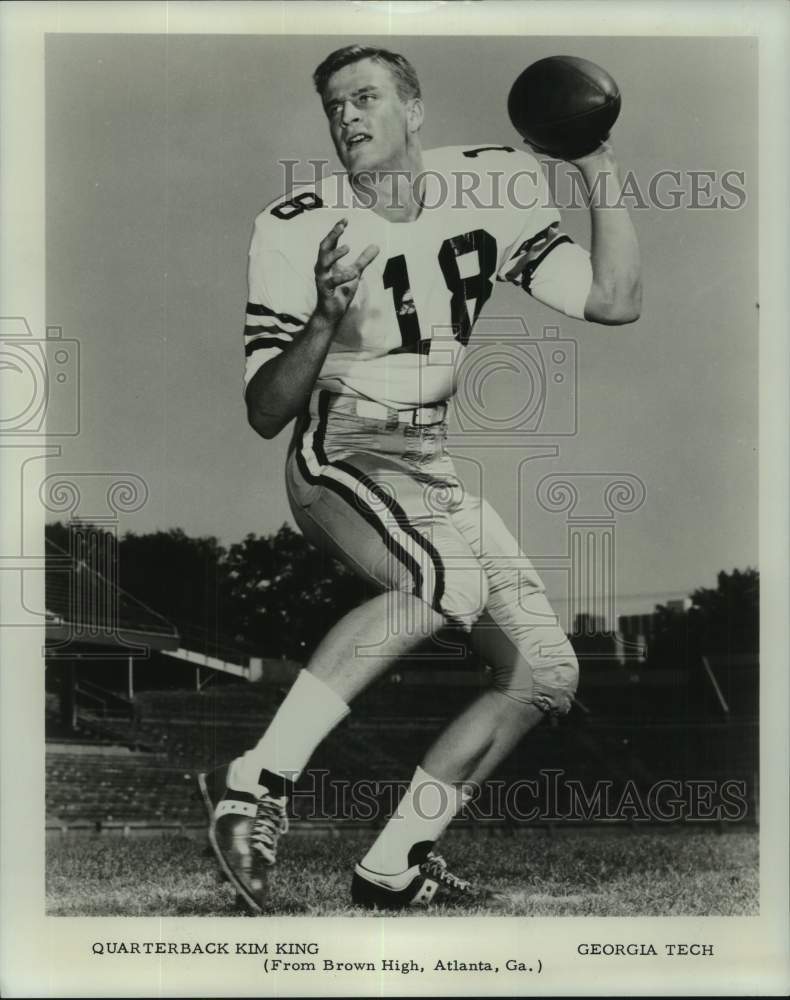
{"x":270,"y":822}
{"x":436,"y":867}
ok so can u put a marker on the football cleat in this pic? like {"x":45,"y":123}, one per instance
{"x":424,"y":883}
{"x":243,"y":833}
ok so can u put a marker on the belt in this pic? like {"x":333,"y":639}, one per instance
{"x":367,"y":409}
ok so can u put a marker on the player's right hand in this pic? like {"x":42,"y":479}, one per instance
{"x":337,"y":283}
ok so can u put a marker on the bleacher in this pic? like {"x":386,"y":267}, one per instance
{"x":140,"y":770}
{"x":123,"y":747}
{"x":113,"y":787}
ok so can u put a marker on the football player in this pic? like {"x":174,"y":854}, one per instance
{"x":362,"y":298}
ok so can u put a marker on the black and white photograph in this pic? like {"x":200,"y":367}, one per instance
{"x":395,"y":501}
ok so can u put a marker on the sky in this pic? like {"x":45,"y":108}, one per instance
{"x":160,"y":151}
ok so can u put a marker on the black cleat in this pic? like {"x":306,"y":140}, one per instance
{"x":243,"y":833}
{"x":425,"y":883}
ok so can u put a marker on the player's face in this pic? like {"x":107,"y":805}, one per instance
{"x":371,"y":127}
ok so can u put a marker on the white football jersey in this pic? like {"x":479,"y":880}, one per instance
{"x":400,"y":342}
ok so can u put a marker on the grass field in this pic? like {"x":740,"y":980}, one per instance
{"x":639,"y":872}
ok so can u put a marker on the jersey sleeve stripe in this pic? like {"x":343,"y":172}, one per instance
{"x":270,"y":331}
{"x":256,"y":309}
{"x":257,"y":360}
{"x":266,"y":323}
{"x":533,"y":265}
{"x":264,"y":343}
{"x":527,"y":245}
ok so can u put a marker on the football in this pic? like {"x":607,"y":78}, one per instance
{"x":564,"y":106}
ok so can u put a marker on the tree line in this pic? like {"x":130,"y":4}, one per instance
{"x":276,"y":595}
{"x":273,"y":595}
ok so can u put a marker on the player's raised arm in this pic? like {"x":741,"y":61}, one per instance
{"x":602,"y":286}
{"x":279,"y":389}
{"x":565,"y":106}
{"x":615,"y":296}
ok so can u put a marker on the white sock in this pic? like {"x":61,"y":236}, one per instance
{"x":423,"y":814}
{"x":310,"y":711}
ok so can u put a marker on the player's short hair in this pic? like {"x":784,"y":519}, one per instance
{"x":406,"y":81}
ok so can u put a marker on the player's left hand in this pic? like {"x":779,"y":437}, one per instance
{"x":337,"y":284}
